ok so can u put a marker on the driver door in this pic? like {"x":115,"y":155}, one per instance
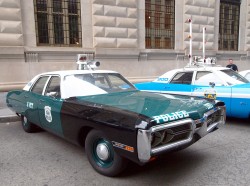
{"x":180,"y":84}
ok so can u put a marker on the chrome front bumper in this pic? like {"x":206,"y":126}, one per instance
{"x":210,"y":121}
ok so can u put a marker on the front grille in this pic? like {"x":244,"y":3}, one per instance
{"x":181,"y":128}
{"x":180,"y":137}
{"x":171,"y":134}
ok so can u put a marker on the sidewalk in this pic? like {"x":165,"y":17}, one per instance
{"x":6,"y":115}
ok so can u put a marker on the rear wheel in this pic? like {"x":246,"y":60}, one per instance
{"x":102,"y":156}
{"x":27,"y":125}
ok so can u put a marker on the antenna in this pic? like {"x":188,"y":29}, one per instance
{"x":204,"y":42}
{"x":190,"y":40}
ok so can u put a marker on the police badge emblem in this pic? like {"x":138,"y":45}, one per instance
{"x":48,"y":115}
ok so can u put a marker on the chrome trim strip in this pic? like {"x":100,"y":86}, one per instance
{"x":171,"y":146}
{"x":172,"y":124}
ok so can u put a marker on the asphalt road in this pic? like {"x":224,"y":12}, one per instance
{"x":221,"y":158}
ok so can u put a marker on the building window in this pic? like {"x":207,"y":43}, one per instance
{"x":159,"y":23}
{"x":58,"y":22}
{"x":148,"y":42}
{"x":229,"y":24}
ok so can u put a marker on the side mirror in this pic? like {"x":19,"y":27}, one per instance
{"x":52,"y":94}
{"x":212,"y":84}
{"x":210,"y":93}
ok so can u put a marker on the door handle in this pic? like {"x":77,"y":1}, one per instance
{"x":26,"y":96}
{"x":41,"y":100}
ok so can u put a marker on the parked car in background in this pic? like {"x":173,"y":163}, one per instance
{"x":245,"y":74}
{"x":114,"y":121}
{"x":230,"y":87}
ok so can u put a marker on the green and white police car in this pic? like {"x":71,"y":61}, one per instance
{"x":104,"y":113}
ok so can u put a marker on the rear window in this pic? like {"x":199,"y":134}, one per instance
{"x":235,"y":75}
{"x":205,"y":77}
{"x":39,"y":85}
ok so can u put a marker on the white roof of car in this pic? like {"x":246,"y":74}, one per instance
{"x":207,"y":68}
{"x":166,"y":78}
{"x":66,"y":73}
{"x":185,"y":69}
{"x":70,"y":72}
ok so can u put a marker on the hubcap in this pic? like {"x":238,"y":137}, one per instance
{"x":102,"y":151}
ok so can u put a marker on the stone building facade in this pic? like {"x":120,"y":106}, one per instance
{"x":113,"y":31}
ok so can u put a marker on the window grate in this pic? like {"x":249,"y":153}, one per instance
{"x":159,"y":23}
{"x":229,"y":25}
{"x":58,"y":22}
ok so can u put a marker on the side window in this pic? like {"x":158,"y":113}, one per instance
{"x":39,"y":85}
{"x":118,"y":83}
{"x":205,"y":77}
{"x":53,"y":87}
{"x":182,"y":78}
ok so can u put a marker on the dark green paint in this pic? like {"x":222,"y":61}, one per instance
{"x":17,"y":101}
{"x":150,"y":104}
{"x":55,"y":105}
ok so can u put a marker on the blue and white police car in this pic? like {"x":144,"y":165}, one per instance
{"x":208,"y":81}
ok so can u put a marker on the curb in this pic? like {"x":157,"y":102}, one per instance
{"x":12,"y":118}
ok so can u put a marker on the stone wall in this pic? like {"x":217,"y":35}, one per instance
{"x":202,"y":13}
{"x":114,"y":30}
{"x":246,"y":17}
{"x":115,"y":23}
{"x":10,"y":23}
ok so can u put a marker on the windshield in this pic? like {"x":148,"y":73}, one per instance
{"x":235,"y":76}
{"x":95,"y":83}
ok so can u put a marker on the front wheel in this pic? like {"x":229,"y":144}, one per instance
{"x":102,"y":156}
{"x":27,"y":125}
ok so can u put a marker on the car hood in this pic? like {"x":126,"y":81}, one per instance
{"x":161,"y":108}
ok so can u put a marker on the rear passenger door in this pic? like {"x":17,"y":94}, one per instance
{"x":32,"y":99}
{"x":50,"y":106}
